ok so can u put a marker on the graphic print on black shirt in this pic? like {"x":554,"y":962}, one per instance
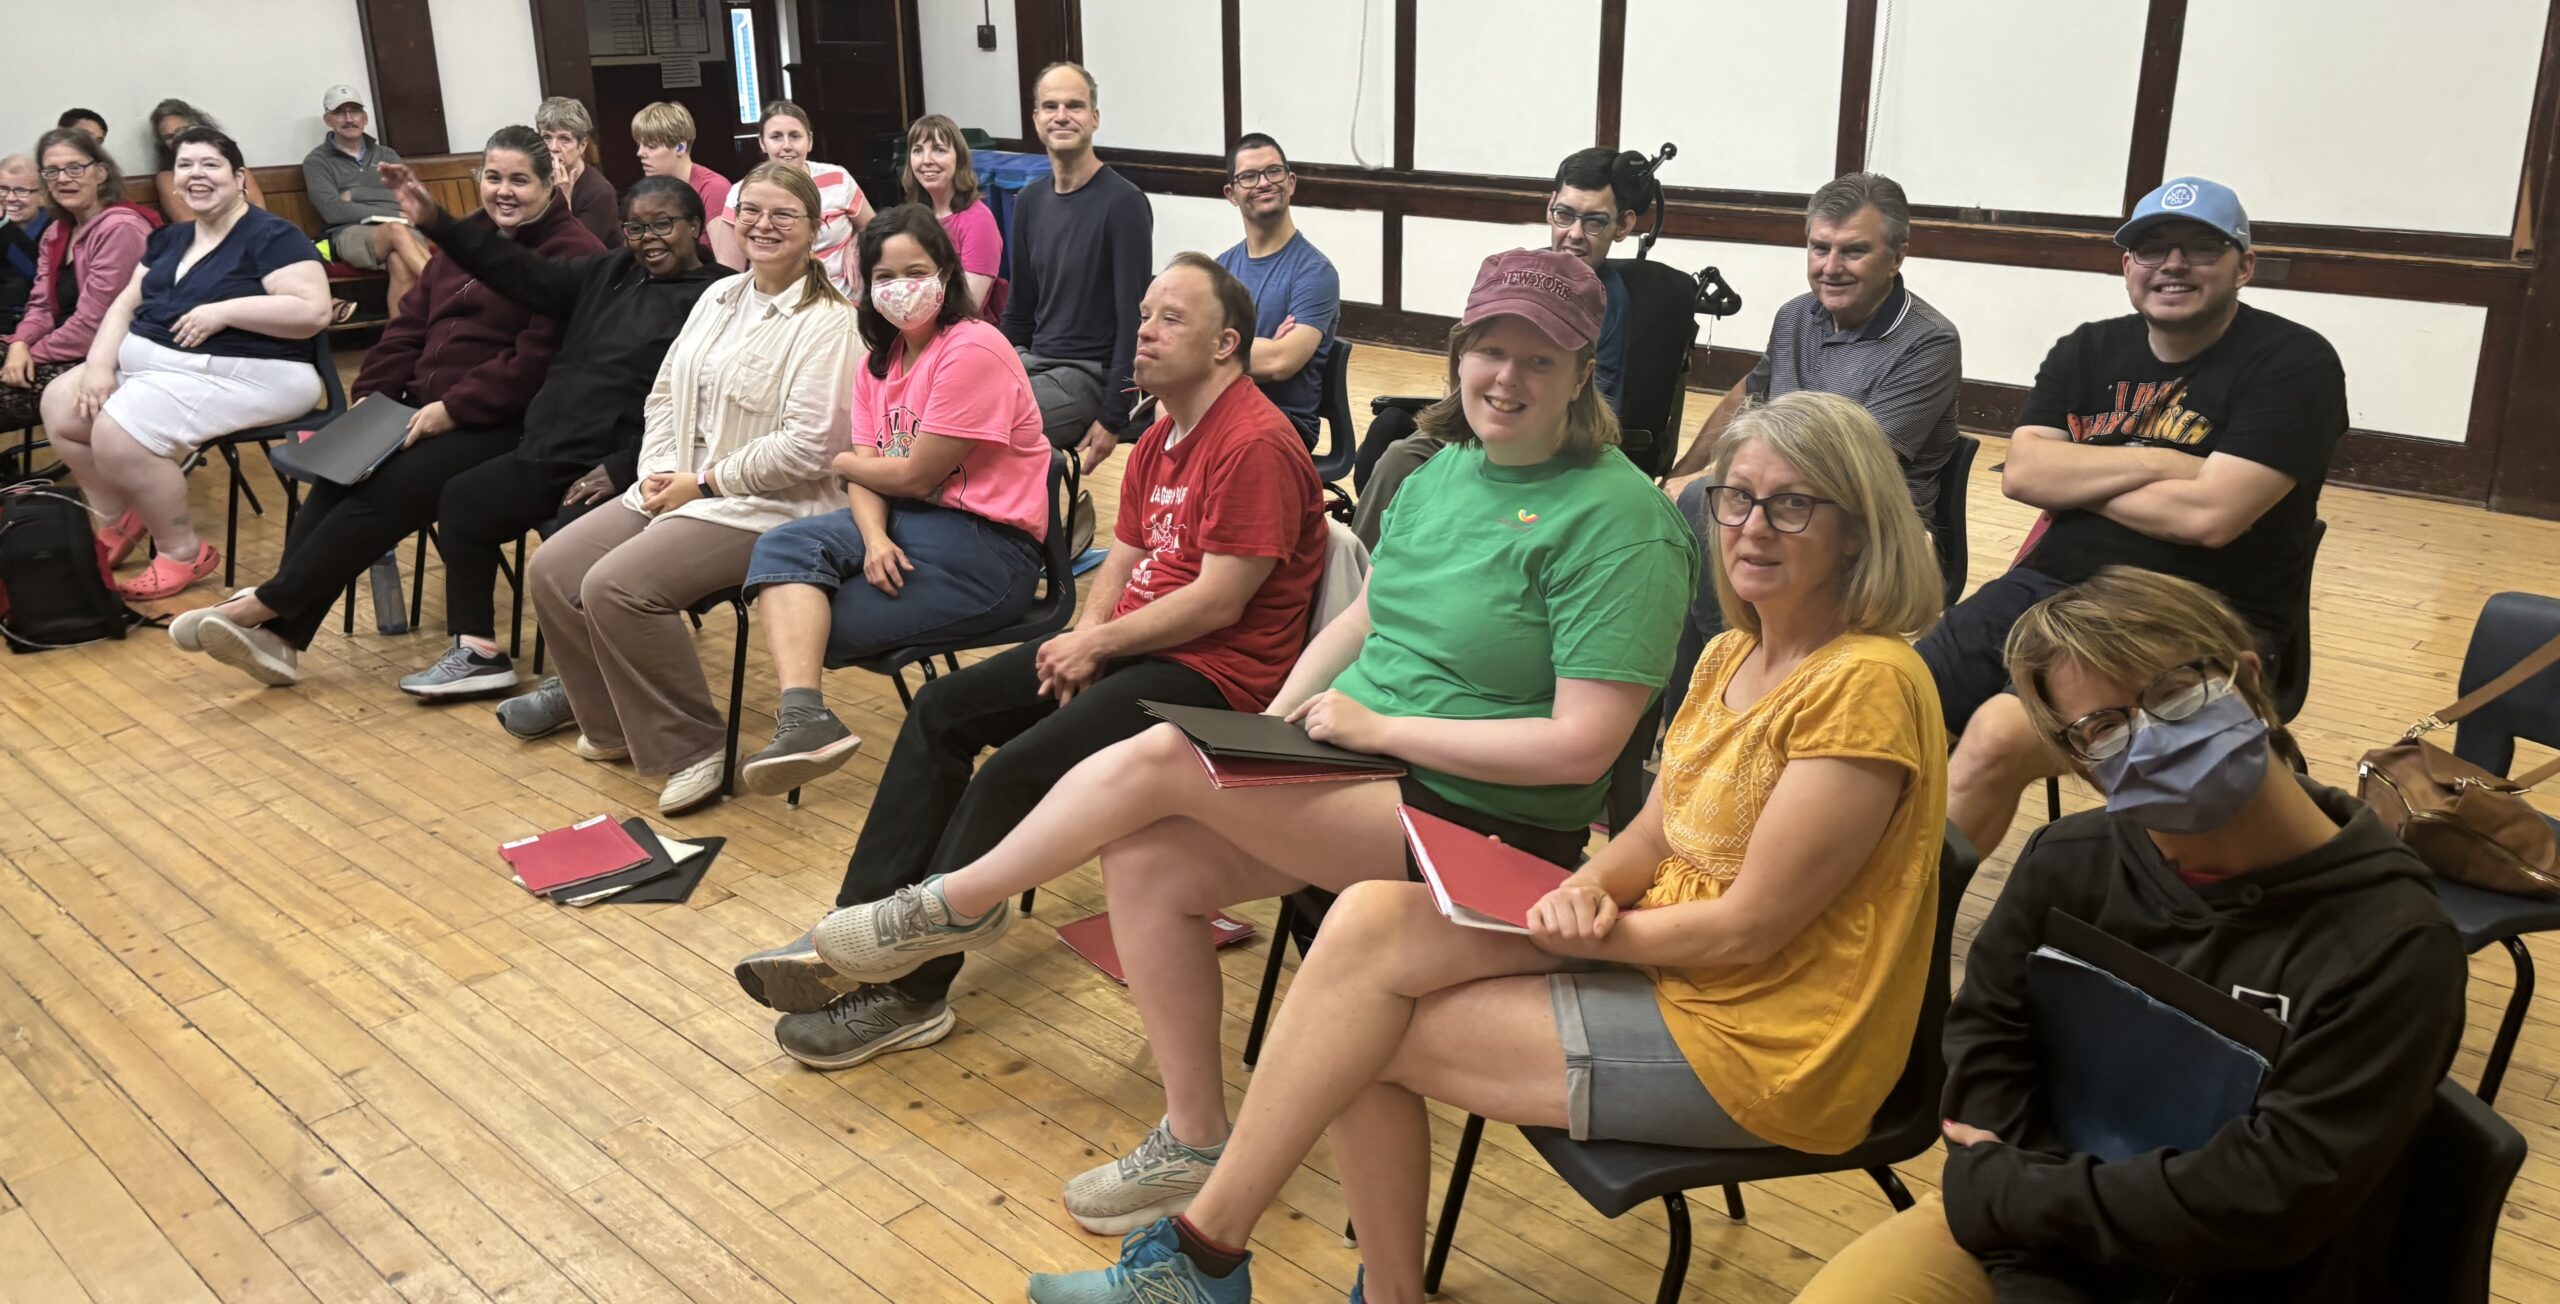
{"x":2270,"y":391}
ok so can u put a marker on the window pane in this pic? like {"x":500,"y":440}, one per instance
{"x":742,"y":64}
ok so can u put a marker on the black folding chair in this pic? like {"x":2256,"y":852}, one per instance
{"x":334,"y":405}
{"x":2461,"y":1164}
{"x":1947,"y":519}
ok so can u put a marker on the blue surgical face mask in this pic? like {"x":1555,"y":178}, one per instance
{"x":2188,"y":776}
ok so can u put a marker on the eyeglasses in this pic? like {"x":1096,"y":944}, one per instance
{"x":19,"y":192}
{"x":661,"y":227}
{"x":1592,"y":224}
{"x":2204,"y":251}
{"x":75,"y":171}
{"x":1787,"y":513}
{"x":783,"y":219}
{"x":2172,"y":695}
{"x":1270,"y":176}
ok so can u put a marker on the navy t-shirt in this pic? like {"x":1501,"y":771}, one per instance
{"x":259,"y":244}
{"x":1609,"y":366}
{"x":1295,"y":280}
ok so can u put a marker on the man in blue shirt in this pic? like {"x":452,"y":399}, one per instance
{"x":1297,"y":298}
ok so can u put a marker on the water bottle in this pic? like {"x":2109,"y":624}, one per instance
{"x":390,"y":607}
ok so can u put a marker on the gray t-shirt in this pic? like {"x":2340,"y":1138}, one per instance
{"x":1905,"y":366}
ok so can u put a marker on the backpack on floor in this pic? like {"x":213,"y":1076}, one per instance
{"x":55,"y":586}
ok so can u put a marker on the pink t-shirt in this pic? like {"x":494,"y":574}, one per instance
{"x":713,"y":187}
{"x":969,"y":384}
{"x":974,"y":234}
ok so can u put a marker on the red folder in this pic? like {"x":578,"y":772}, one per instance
{"x":1475,"y":880}
{"x":1249,"y":772}
{"x":590,"y":848}
{"x":1090,"y":937}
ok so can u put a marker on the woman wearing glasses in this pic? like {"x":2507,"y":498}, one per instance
{"x":842,"y":211}
{"x":941,"y":177}
{"x":745,"y":418}
{"x":2215,"y":857}
{"x":83,"y":260}
{"x":582,"y":429}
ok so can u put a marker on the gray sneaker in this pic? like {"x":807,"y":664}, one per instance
{"x":1156,"y":1180}
{"x":880,"y":940}
{"x":540,"y":713}
{"x":461,"y":672}
{"x":862,"y":1024}
{"x":792,"y":978}
{"x":809,"y":743}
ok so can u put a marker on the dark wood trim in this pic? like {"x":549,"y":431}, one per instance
{"x":1391,"y":261}
{"x":1613,"y":72}
{"x":400,"y":60}
{"x":560,"y":54}
{"x":911,"y":61}
{"x":2527,"y":473}
{"x":1038,"y":42}
{"x":1857,"y":78}
{"x":1408,"y":30}
{"x":2164,"y":35}
{"x":1231,"y":65}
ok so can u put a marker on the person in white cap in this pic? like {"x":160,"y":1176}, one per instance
{"x":361,"y":219}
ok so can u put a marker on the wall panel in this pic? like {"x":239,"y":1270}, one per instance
{"x":973,"y":87}
{"x":1507,"y":87}
{"x":1749,"y":91}
{"x":1162,"y":74}
{"x":485,"y":60}
{"x":1317,"y":82}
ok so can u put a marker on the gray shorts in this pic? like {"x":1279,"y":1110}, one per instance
{"x":1625,"y":1078}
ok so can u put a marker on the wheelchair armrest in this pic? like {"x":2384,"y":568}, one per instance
{"x":1400,"y":402}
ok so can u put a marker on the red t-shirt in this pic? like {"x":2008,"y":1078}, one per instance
{"x":1239,"y":485}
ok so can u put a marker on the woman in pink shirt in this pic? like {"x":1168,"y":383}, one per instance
{"x":946,"y":491}
{"x":941,"y":177}
{"x":84,"y":260}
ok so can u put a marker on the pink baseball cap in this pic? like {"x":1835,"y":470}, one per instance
{"x":1556,"y":292}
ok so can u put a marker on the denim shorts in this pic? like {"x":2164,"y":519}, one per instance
{"x":1625,"y":1078}
{"x":972,"y":576}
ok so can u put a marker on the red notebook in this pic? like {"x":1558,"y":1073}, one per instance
{"x":1475,"y":880}
{"x":1090,"y":937}
{"x":1251,"y":772}
{"x":590,"y":848}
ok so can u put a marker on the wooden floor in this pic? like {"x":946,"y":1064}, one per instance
{"x":275,"y":1025}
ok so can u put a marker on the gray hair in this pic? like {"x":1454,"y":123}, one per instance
{"x":1841,"y":198}
{"x":16,"y":163}
{"x":560,"y":113}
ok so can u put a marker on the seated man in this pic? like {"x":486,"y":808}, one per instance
{"x":2190,"y":438}
{"x":1202,"y":602}
{"x":1859,"y":333}
{"x":1597,"y":196}
{"x":1297,"y":297}
{"x":2213,"y":858}
{"x":1082,"y":245}
{"x":361,"y":221}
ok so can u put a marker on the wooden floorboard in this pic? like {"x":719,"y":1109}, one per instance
{"x":275,"y":1025}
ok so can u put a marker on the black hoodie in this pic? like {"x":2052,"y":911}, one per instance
{"x":2296,"y":1201}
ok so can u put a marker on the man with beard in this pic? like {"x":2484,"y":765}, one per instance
{"x":2190,"y":438}
{"x":1296,"y":294}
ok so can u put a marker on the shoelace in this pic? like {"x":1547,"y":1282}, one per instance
{"x":862,"y":1006}
{"x":906,"y":915}
{"x":1158,"y":1145}
{"x":457,"y":657}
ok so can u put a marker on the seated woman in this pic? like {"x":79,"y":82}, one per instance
{"x":468,"y":359}
{"x":948,"y":499}
{"x":582,"y":431}
{"x":86,"y":257}
{"x":843,"y":210}
{"x":571,"y":136}
{"x":941,"y":177}
{"x":2213,"y":857}
{"x":746,"y":416}
{"x":1507,"y":700}
{"x":181,"y":359}
{"x":1742,"y":967}
{"x":168,"y":118}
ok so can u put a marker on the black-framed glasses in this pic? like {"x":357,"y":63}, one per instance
{"x":1592,"y":224}
{"x":2203,"y":251}
{"x":2172,"y":695}
{"x":1787,"y":513}
{"x":783,"y":219}
{"x":19,"y":192}
{"x":1252,"y":177}
{"x":661,"y":227}
{"x":75,"y":171}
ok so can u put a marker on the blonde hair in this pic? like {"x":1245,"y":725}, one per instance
{"x":964,"y":177}
{"x":662,"y":124}
{"x":1892,"y":585}
{"x":2125,"y":626}
{"x":1589,"y":425}
{"x":814,"y":284}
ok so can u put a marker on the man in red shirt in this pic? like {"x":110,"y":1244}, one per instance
{"x":1203,"y":601}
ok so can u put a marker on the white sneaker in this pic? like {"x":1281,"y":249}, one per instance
{"x":1156,"y":1180}
{"x":265,"y":656}
{"x":694,"y":785}
{"x":182,"y":630}
{"x":590,"y":751}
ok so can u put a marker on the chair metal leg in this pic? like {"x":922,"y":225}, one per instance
{"x":231,"y":455}
{"x":515,"y":622}
{"x":1895,"y":1193}
{"x":2052,"y":800}
{"x":737,"y":703}
{"x":1029,"y":895}
{"x":1675,"y":1260}
{"x":418,"y":574}
{"x":899,"y":677}
{"x":1733,"y":1201}
{"x":1451,"y":1203}
{"x":231,"y":520}
{"x":2511,"y":1024}
{"x":793,"y":801}
{"x":537,"y":652}
{"x":1350,"y":1235}
{"x":1280,"y":930}
{"x":347,"y":622}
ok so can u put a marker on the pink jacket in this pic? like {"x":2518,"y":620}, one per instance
{"x":105,"y":251}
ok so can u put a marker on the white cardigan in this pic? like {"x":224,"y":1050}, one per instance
{"x":781,"y":415}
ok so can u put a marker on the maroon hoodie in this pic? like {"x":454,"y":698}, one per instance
{"x":462,"y":344}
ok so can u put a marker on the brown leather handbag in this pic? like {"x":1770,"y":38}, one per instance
{"x":2469,"y":825}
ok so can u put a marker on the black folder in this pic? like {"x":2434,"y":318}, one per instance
{"x":350,"y":448}
{"x":660,"y":882}
{"x":1250,"y":735}
{"x":2139,"y":1056}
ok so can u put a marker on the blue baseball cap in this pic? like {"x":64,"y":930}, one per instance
{"x":2188,"y":199}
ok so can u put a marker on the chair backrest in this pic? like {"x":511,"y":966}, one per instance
{"x":324,"y":357}
{"x":1914,"y":1102}
{"x":2510,"y":626}
{"x":2460,"y":1165}
{"x":1058,"y":552}
{"x":2292,"y":678}
{"x":1334,"y":411}
{"x":1662,"y":327}
{"x":1947,"y":520}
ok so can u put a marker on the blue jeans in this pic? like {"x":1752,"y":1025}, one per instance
{"x":972,"y":576}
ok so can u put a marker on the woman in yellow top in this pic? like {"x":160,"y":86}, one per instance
{"x":1743,"y":967}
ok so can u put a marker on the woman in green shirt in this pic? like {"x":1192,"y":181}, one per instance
{"x":1517,"y":623}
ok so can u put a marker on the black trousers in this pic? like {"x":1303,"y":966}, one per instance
{"x":931,"y":816}
{"x":339,"y":531}
{"x":484,"y":512}
{"x":1384,"y":429}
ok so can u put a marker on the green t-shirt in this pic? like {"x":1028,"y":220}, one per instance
{"x":1492,"y":582}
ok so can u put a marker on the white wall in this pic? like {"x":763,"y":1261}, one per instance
{"x":1748,"y":90}
{"x":1319,"y":77}
{"x":1354,"y":239}
{"x":1507,"y":87}
{"x":973,"y":87}
{"x":2388,"y":113}
{"x":485,"y":61}
{"x":1163,"y":72}
{"x":1441,"y":257}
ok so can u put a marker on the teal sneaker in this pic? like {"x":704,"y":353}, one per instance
{"x":1152,"y":1270}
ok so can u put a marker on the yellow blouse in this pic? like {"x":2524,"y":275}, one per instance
{"x":1802,"y":1047}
